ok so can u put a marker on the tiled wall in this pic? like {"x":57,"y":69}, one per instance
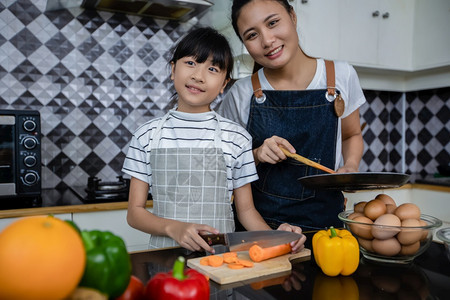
{"x":96,"y":76}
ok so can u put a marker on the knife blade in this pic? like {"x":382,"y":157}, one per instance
{"x":243,"y":240}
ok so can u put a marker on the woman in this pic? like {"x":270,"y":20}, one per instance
{"x":289,"y":103}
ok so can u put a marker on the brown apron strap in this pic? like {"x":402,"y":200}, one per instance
{"x":257,"y":91}
{"x":331,"y":83}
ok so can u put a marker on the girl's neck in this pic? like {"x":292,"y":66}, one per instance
{"x":296,"y":75}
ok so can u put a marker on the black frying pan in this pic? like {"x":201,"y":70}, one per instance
{"x":355,"y":181}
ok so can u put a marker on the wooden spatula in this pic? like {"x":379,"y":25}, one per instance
{"x":306,"y":161}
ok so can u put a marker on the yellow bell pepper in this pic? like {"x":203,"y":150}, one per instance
{"x":336,"y":251}
{"x":335,"y":288}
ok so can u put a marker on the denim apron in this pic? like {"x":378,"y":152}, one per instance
{"x":190,"y":185}
{"x":309,"y":122}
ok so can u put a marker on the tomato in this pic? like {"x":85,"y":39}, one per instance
{"x":134,"y":291}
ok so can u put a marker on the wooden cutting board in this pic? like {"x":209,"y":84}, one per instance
{"x":225,"y":275}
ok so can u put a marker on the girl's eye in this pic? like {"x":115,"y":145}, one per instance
{"x":214,"y":69}
{"x":190,"y":63}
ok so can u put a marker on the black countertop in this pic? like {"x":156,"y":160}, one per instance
{"x":428,"y":277}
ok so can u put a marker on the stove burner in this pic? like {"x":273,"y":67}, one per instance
{"x":108,"y":190}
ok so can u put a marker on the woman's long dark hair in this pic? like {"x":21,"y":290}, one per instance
{"x":203,"y":42}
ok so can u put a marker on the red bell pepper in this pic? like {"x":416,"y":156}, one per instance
{"x":178,"y":284}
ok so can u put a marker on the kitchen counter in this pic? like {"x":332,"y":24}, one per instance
{"x":426,"y":278}
{"x":56,"y":201}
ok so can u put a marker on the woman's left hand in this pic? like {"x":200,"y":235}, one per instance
{"x":299,"y":244}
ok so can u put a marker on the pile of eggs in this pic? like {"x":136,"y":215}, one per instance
{"x":393,"y":230}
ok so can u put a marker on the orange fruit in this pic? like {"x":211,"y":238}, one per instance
{"x":41,"y":257}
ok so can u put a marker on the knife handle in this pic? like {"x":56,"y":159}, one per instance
{"x":214,"y":239}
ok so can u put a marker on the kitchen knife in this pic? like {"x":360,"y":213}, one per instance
{"x":243,"y":240}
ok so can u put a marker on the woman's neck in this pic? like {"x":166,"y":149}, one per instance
{"x":296,"y":75}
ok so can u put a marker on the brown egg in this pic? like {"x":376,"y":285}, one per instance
{"x":354,"y":215}
{"x":425,"y":231}
{"x":410,"y":236}
{"x":410,"y":249}
{"x":408,"y":211}
{"x":374,"y":209}
{"x":386,"y":199}
{"x":388,"y":247}
{"x":384,"y":231}
{"x":363,"y":231}
{"x":366,"y":244}
{"x":359,"y":207}
{"x":390,"y":208}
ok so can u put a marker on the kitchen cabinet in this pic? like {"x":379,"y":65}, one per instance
{"x":406,"y":39}
{"x":5,"y":222}
{"x":116,"y":222}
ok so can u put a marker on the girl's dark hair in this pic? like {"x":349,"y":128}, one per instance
{"x":237,"y":6}
{"x":202,"y":42}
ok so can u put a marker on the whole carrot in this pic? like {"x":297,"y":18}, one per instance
{"x":258,"y":254}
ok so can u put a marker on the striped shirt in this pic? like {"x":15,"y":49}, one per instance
{"x":185,"y":130}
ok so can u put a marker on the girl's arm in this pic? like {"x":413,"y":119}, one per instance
{"x":352,"y":143}
{"x":185,"y":234}
{"x":252,"y":220}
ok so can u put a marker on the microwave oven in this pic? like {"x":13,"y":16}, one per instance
{"x":20,"y":153}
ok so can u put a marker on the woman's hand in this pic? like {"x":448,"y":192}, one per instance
{"x":187,"y":235}
{"x":270,"y":152}
{"x":299,"y":244}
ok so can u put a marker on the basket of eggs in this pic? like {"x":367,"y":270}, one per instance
{"x":389,"y":233}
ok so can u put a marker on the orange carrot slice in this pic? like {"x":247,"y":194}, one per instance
{"x":230,"y":257}
{"x":204,"y":261}
{"x":235,"y":266}
{"x":215,"y":260}
{"x":246,"y":263}
{"x":258,"y":254}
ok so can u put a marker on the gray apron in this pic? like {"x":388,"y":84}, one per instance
{"x":190,"y":185}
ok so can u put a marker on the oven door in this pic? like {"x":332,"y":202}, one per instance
{"x":7,"y":155}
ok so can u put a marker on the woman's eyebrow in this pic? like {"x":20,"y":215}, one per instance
{"x":265,"y":20}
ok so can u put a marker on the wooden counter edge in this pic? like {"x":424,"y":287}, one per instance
{"x":66,"y":209}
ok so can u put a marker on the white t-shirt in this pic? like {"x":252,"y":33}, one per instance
{"x":185,"y":130}
{"x":236,"y":103}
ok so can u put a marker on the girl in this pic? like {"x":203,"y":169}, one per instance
{"x":290,"y":103}
{"x":193,"y":159}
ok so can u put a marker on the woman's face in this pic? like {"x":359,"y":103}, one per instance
{"x":269,"y":32}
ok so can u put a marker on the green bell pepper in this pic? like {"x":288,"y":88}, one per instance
{"x":108,"y":264}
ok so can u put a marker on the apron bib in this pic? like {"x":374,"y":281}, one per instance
{"x":309,"y":122}
{"x":189,"y":185}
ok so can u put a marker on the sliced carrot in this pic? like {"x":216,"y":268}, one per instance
{"x":230,"y":257}
{"x":235,"y":266}
{"x":258,"y":254}
{"x":246,"y":263}
{"x":204,"y":261}
{"x":215,"y":260}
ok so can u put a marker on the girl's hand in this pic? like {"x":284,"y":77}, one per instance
{"x":270,"y":152}
{"x":187,"y":235}
{"x":298,"y":244}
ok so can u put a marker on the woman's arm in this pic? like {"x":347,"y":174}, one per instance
{"x":352,"y":143}
{"x":185,"y":234}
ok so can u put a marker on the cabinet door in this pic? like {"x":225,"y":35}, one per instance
{"x":431,"y":36}
{"x":116,"y":222}
{"x":318,"y":27}
{"x":377,"y":33}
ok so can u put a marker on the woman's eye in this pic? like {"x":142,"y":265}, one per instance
{"x":272,"y":23}
{"x":250,"y":36}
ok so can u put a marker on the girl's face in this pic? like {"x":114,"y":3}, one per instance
{"x":268,"y":32}
{"x":197,"y":84}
